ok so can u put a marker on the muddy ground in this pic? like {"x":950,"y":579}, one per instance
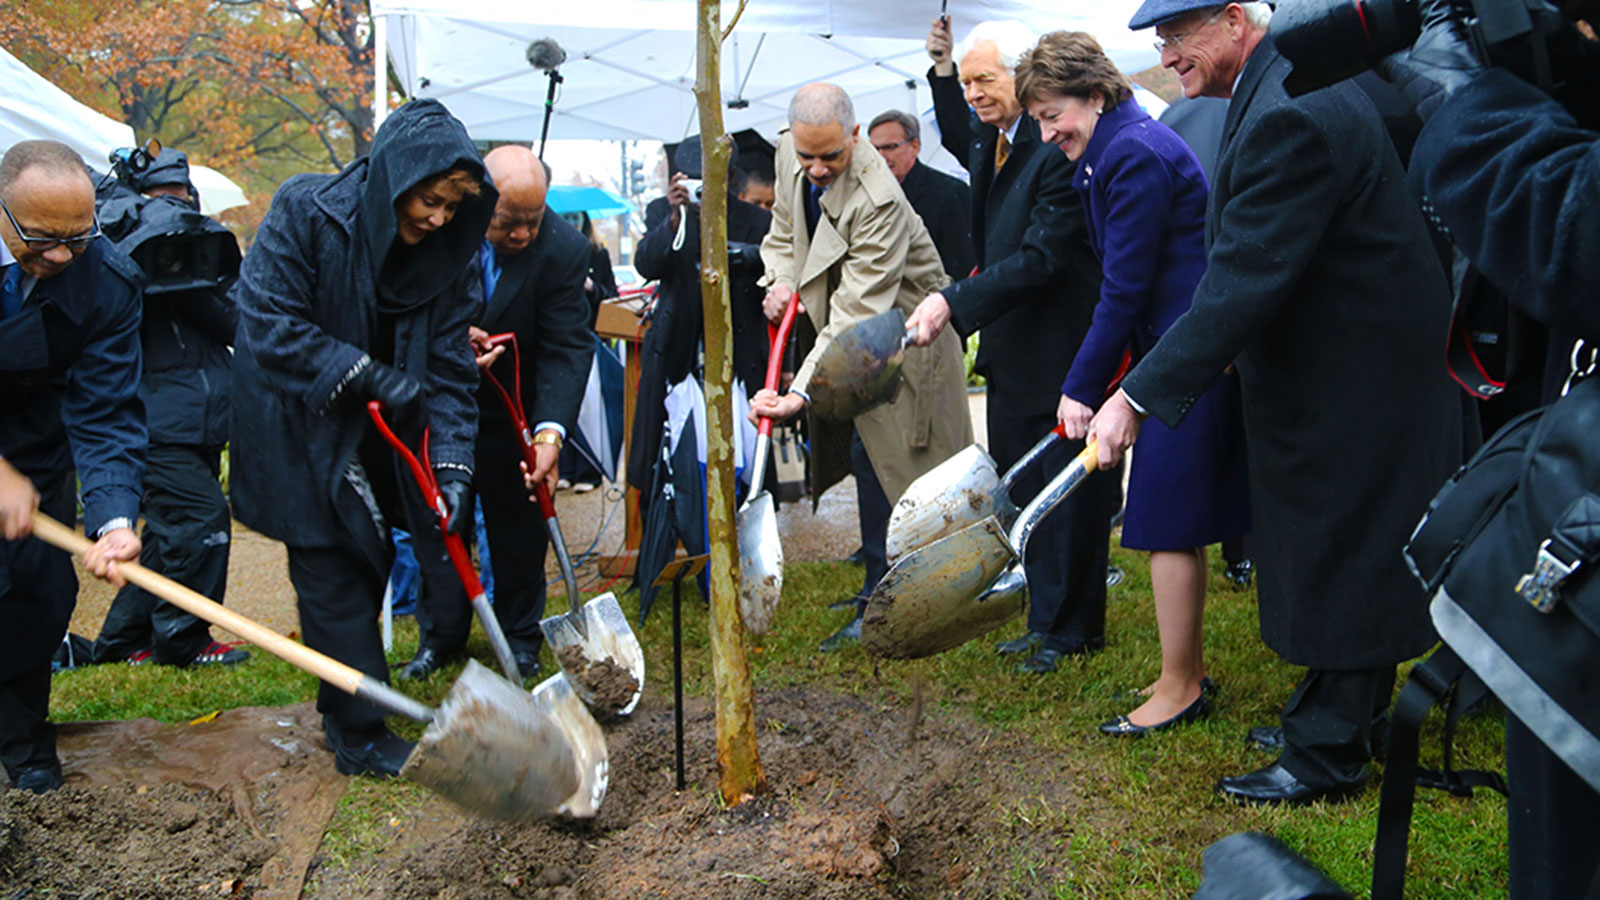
{"x":865,"y":801}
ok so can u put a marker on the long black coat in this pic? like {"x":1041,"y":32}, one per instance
{"x":1038,"y":281}
{"x":69,"y":381}
{"x":671,"y":348}
{"x":308,"y":313}
{"x":945,"y":205}
{"x":1322,"y":286}
{"x":540,"y":297}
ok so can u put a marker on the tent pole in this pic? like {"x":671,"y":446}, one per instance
{"x":380,"y":71}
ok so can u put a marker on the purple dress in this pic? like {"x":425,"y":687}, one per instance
{"x":1144,"y":195}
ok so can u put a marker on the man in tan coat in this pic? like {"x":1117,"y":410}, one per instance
{"x":845,"y":238}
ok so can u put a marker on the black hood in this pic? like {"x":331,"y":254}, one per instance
{"x":169,"y":167}
{"x":416,"y":142}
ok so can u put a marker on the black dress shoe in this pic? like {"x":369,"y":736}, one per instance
{"x":1122,"y":726}
{"x":379,"y":753}
{"x":1041,"y":663}
{"x":427,"y":661}
{"x":1028,"y":643}
{"x":1267,"y":738}
{"x":528,"y":664}
{"x":1276,"y":786}
{"x":849,"y":634}
{"x":40,"y":778}
{"x":1238,"y":574}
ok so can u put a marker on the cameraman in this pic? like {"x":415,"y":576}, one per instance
{"x":1514,"y":173}
{"x":186,"y":335}
{"x":670,"y":252}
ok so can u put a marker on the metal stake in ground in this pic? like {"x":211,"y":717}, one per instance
{"x":676,"y":571}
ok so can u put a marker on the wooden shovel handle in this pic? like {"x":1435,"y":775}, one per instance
{"x":296,"y":654}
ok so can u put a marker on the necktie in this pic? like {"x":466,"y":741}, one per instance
{"x":1002,"y":152}
{"x":11,"y":291}
{"x":813,"y":208}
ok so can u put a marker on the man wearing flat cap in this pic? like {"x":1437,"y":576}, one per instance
{"x":1350,"y":428}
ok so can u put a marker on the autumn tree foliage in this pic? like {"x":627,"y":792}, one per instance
{"x":258,"y":88}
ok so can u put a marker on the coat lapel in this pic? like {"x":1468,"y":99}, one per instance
{"x":1250,"y":79}
{"x":514,"y":272}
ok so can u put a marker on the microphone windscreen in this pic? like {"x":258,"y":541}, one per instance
{"x":546,"y":54}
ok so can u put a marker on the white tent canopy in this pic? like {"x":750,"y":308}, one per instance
{"x":31,"y":108}
{"x":629,"y":72}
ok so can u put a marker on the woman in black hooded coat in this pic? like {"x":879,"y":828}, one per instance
{"x":360,"y":286}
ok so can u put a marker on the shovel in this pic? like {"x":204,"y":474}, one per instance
{"x":490,"y":748}
{"x":422,"y":471}
{"x":760,"y":550}
{"x":965,"y":584}
{"x":593,"y":644}
{"x":859,"y":369}
{"x":964,"y":489}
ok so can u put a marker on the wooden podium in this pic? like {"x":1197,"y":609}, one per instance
{"x":621,"y":319}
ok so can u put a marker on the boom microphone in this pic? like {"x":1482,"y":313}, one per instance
{"x":545,"y":54}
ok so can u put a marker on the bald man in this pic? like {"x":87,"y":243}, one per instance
{"x":534,"y":265}
{"x":69,"y":406}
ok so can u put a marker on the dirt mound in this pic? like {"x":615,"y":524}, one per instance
{"x":128,"y":842}
{"x":866,"y":801}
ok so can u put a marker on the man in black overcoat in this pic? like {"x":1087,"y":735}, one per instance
{"x":70,"y":415}
{"x":1032,"y":302}
{"x":944,"y":203}
{"x":1322,"y":287}
{"x":533,"y":268}
{"x":670,"y":252}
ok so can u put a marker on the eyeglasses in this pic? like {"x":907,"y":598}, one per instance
{"x":890,"y":148}
{"x":76,"y":243}
{"x":1175,"y":42}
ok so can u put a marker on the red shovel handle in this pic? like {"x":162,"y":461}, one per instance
{"x":421,"y":471}
{"x":519,"y":420}
{"x":778,"y":335}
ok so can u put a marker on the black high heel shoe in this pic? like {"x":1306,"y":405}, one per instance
{"x":1122,"y":726}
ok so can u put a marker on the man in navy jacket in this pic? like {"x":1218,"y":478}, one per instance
{"x":69,"y":411}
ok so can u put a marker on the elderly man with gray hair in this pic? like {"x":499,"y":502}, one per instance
{"x":944,"y":203}
{"x":845,"y":239}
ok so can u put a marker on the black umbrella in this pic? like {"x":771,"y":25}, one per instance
{"x":676,"y":511}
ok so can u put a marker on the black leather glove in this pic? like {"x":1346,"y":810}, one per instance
{"x":405,"y":404}
{"x":1441,"y":62}
{"x":457,"y":490}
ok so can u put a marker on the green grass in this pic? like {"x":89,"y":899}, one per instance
{"x":1139,"y":812}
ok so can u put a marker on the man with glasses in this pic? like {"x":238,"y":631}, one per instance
{"x":1031,"y":303}
{"x":69,"y":413}
{"x":1321,"y":286}
{"x":943,"y":202}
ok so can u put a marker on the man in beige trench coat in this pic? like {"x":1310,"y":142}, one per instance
{"x":846,"y":239}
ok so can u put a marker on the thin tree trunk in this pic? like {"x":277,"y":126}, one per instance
{"x":737,"y":760}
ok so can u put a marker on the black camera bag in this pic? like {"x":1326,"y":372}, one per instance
{"x":1507,"y":551}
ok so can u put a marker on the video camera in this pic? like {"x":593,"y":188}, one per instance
{"x":1331,"y":40}
{"x":178,"y":247}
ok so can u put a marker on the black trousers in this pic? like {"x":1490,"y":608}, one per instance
{"x":1068,"y":552}
{"x":517,"y":544}
{"x":38,"y":589}
{"x":1328,"y":724}
{"x":1550,"y":815}
{"x":339,"y":593}
{"x":873,"y":507}
{"x":186,"y":538}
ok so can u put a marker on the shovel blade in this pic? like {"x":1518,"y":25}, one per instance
{"x":555,"y":696}
{"x":602,"y":659}
{"x":760,"y":563}
{"x":929,"y":601}
{"x":945,"y":499}
{"x":860,"y":368}
{"x":494,"y":751}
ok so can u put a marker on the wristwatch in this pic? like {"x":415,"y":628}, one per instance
{"x":548,"y":436}
{"x":112,"y":525}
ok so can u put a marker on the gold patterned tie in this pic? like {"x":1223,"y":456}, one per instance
{"x":1002,"y":152}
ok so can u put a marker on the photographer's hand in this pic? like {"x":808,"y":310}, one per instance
{"x":677,"y":197}
{"x":1440,"y":62}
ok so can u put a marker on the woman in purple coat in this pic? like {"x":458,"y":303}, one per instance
{"x":1145,"y":198}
